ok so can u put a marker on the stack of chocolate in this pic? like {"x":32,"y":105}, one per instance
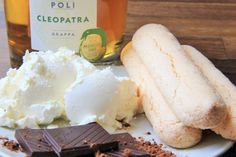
{"x":85,"y":140}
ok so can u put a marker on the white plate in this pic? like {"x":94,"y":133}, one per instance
{"x":211,"y":144}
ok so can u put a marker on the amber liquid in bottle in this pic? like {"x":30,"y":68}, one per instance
{"x":111,"y":16}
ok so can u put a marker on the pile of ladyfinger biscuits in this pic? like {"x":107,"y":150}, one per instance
{"x":182,"y":92}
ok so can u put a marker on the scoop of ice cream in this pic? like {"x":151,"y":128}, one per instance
{"x":101,"y":97}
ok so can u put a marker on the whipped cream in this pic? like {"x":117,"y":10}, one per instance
{"x":34,"y":94}
{"x":50,"y":85}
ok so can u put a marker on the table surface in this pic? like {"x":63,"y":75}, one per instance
{"x":209,"y":25}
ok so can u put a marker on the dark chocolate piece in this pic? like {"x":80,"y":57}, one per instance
{"x":33,"y":143}
{"x":127,"y":147}
{"x":124,"y":139}
{"x":80,"y":140}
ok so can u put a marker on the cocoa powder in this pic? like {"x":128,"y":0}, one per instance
{"x":10,"y":144}
{"x":154,"y":149}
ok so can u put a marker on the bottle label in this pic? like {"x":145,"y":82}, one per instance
{"x":57,"y":23}
{"x":93,"y":44}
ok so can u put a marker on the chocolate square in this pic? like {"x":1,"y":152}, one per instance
{"x":33,"y":143}
{"x":128,"y":147}
{"x":80,"y":140}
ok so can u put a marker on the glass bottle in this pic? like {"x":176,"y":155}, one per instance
{"x":93,"y":28}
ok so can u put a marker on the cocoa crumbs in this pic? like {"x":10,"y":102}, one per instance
{"x":148,"y":133}
{"x":10,"y":144}
{"x":127,"y":152}
{"x":124,"y":124}
{"x":154,"y":149}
